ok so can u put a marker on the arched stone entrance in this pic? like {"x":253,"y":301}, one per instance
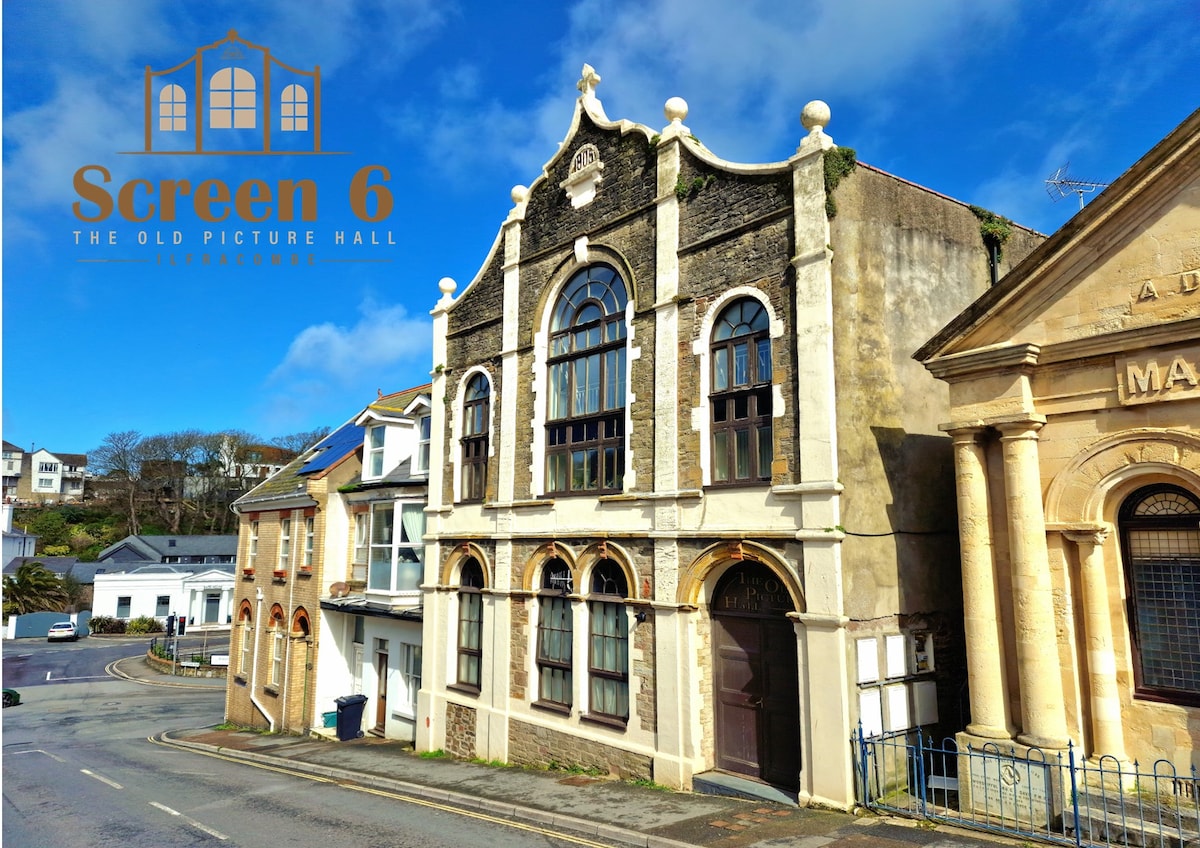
{"x":755,"y":683}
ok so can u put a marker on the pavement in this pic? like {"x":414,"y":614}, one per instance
{"x":602,"y":808}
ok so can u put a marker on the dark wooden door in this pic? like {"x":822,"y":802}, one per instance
{"x":381,"y":673}
{"x":757,"y":695}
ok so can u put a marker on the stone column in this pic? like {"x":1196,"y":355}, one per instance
{"x":1108,"y":735}
{"x":1043,"y":716}
{"x":985,"y":658}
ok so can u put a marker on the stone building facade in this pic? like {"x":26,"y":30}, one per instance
{"x":1075,"y":399}
{"x":691,"y":511}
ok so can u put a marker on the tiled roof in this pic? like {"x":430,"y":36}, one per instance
{"x":154,"y":548}
{"x":9,"y":446}
{"x":397,"y":402}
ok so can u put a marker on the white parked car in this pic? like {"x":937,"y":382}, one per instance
{"x":61,"y":631}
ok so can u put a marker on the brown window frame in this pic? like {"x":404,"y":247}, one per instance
{"x":476,"y":419}
{"x":470,"y":600}
{"x":554,"y":601}
{"x":609,"y":591}
{"x":585,"y":446}
{"x":744,"y":407}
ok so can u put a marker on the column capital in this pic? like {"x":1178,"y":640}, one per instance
{"x":1019,"y":427}
{"x":963,"y":432}
{"x":1086,"y":533}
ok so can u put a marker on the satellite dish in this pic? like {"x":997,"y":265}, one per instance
{"x":339,"y":590}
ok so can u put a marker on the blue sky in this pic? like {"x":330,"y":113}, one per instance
{"x":460,"y":101}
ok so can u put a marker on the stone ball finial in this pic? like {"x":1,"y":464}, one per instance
{"x":447,"y":286}
{"x":676,"y":109}
{"x":519,"y":194}
{"x":815,"y":115}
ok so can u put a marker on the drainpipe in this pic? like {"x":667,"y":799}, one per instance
{"x":258,"y":597}
{"x":287,"y":654}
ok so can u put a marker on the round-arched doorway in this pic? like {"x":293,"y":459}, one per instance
{"x":755,"y":682}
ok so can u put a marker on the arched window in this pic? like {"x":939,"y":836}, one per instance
{"x":172,"y":108}
{"x":278,"y":635}
{"x":585,"y":433}
{"x":742,"y":446}
{"x":476,"y":413}
{"x":554,"y":635}
{"x":246,"y":633}
{"x":608,"y":642}
{"x":293,"y":109}
{"x":470,"y":625}
{"x":232,"y":100}
{"x":1160,"y":541}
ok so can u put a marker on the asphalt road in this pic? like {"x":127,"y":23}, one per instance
{"x":36,"y":662}
{"x":80,"y":769}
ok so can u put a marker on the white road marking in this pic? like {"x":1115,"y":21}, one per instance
{"x":208,"y":830}
{"x":190,"y":821}
{"x":37,"y":751}
{"x":102,"y":779}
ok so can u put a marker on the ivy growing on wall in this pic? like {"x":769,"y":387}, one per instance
{"x":994,"y":229}
{"x":685,"y":188}
{"x":839,"y":162}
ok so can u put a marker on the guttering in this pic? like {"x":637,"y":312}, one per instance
{"x":301,"y":499}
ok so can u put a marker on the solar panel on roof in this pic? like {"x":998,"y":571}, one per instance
{"x":333,"y":447}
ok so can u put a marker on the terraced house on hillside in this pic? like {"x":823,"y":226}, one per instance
{"x":690,"y":512}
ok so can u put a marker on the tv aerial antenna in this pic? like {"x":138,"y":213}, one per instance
{"x":1059,"y":185}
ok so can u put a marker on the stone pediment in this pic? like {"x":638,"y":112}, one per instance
{"x":1128,"y":264}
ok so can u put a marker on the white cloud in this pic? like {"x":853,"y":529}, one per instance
{"x":331,"y":369}
{"x":746,"y":70}
{"x":383,"y":336}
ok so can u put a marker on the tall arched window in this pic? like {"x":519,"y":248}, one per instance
{"x":554,"y":635}
{"x":1160,"y":541}
{"x":742,"y":446}
{"x":277,"y":645}
{"x":232,"y":100}
{"x":470,"y":625}
{"x":476,"y":414}
{"x":246,"y":633}
{"x":608,"y":642}
{"x":585,"y":433}
{"x":172,"y":108}
{"x":293,"y":109}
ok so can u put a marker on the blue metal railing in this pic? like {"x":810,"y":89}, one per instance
{"x":1053,"y":796}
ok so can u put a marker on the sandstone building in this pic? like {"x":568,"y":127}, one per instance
{"x":1075,"y":401}
{"x":690,"y":513}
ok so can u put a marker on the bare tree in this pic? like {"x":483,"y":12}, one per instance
{"x":296,"y":443}
{"x":168,"y":466}
{"x":119,"y":458}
